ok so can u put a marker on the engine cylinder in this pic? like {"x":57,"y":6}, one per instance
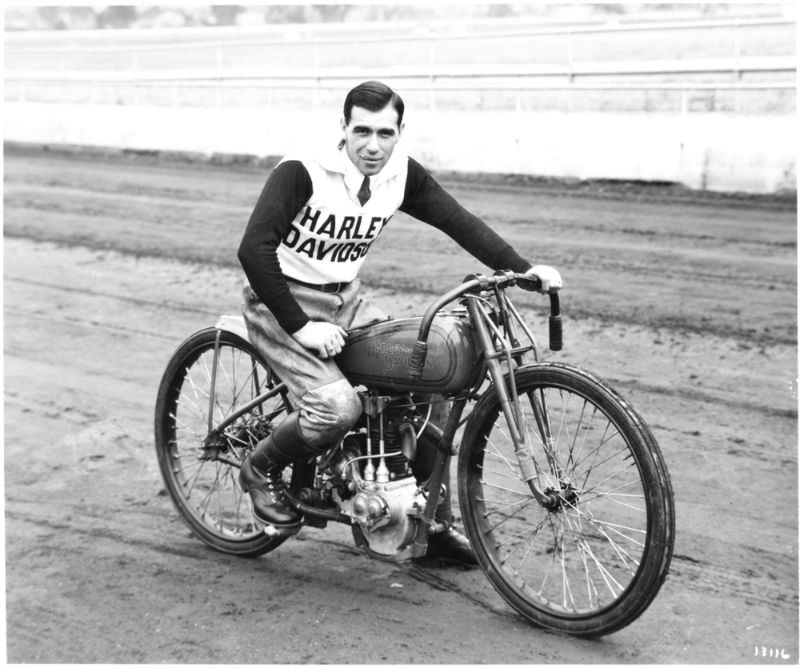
{"x":397,"y":463}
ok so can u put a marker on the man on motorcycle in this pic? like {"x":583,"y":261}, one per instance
{"x":312,"y":226}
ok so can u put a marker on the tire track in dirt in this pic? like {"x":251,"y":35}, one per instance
{"x":699,"y":311}
{"x":141,"y":302}
{"x":60,"y":196}
{"x":127,"y":535}
{"x":123,"y":536}
{"x":693,"y":574}
{"x":749,"y":585}
{"x":88,"y":323}
{"x":179,"y":205}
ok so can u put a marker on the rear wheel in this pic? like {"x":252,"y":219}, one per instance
{"x":210,"y":375}
{"x":591,"y":558}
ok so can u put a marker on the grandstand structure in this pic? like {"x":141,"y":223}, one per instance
{"x":704,"y":101}
{"x":741,"y":64}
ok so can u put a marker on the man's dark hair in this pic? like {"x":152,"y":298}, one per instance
{"x":373,"y":96}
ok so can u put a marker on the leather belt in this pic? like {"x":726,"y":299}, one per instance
{"x":334,"y":287}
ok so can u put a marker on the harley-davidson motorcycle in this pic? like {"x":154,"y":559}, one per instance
{"x":563,"y":491}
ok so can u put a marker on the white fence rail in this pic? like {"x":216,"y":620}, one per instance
{"x":55,"y":49}
{"x":699,"y":75}
{"x":260,"y":34}
{"x":136,"y":63}
{"x":475,"y":73}
{"x":226,"y":37}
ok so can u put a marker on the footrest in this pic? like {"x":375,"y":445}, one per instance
{"x":274,"y":531}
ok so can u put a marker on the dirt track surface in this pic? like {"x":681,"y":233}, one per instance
{"x":687,"y":306}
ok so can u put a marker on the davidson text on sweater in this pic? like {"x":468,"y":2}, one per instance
{"x":347,"y":229}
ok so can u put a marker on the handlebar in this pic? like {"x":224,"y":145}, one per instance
{"x":500,"y":279}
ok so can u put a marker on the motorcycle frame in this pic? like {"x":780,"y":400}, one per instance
{"x":495,"y":320}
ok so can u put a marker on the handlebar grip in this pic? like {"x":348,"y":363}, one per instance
{"x":417,"y":363}
{"x":556,"y":339}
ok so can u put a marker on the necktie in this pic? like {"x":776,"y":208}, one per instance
{"x":364,"y":192}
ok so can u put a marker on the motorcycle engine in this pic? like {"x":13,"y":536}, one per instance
{"x":374,"y":483}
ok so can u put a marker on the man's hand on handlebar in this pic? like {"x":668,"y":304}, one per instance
{"x":548,"y":279}
{"x":327,"y":339}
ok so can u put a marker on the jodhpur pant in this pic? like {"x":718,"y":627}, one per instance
{"x":327,"y":404}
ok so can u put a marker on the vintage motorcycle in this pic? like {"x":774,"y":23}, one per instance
{"x":563,"y":491}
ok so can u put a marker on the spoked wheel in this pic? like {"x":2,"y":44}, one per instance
{"x":210,"y":375}
{"x":590,"y":557}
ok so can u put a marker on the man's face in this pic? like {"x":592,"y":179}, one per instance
{"x":370,"y":138}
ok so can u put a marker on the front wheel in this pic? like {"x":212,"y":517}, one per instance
{"x":212,"y":374}
{"x":590,"y":557}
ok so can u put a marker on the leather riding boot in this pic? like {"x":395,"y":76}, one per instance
{"x":260,"y":474}
{"x":448,"y":545}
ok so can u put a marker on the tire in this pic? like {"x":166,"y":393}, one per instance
{"x":592,"y":559}
{"x":201,"y":479}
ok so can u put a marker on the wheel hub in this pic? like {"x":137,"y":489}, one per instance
{"x":566,"y":494}
{"x":244,"y":435}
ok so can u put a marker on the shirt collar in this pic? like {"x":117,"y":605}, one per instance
{"x":337,"y":160}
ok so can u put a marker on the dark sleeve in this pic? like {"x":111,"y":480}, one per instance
{"x":426,"y":200}
{"x":287,"y":190}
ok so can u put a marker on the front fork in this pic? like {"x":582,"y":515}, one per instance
{"x":506,"y":388}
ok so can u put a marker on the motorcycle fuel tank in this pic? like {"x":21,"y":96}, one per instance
{"x":379,"y":355}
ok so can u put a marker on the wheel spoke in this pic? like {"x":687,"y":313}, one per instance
{"x":604,"y":440}
{"x":600,"y":490}
{"x":602,"y":527}
{"x":613,"y":586}
{"x":576,"y":449}
{"x":526,"y":494}
{"x":577,"y":553}
{"x":577,"y":431}
{"x":495,"y":451}
{"x":203,"y":471}
{"x":190,"y":484}
{"x":614,"y":498}
{"x":522,"y":504}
